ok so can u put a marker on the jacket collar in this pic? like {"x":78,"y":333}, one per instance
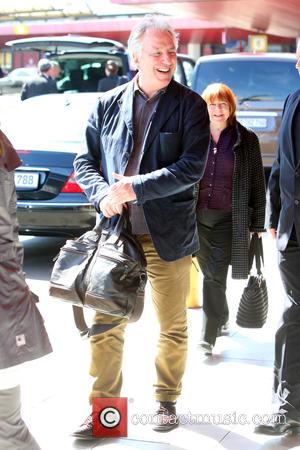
{"x":126,"y":106}
{"x":166,"y":106}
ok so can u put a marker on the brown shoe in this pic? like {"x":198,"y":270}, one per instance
{"x":85,"y":431}
{"x":166,"y":418}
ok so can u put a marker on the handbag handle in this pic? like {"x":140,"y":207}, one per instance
{"x":256,"y":249}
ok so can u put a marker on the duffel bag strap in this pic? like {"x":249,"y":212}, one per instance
{"x":86,"y":331}
{"x":83,"y":328}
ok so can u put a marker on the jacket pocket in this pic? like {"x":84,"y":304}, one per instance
{"x":170,"y":146}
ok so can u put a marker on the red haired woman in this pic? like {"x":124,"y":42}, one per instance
{"x":231,"y":205}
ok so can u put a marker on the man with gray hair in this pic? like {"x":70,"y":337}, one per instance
{"x":146,"y":149}
{"x":42,"y":84}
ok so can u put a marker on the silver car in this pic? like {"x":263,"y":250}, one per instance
{"x":261,"y":83}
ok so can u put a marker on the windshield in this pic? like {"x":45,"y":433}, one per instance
{"x":250,"y":80}
{"x":82,"y":73}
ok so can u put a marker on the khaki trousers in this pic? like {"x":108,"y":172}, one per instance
{"x":169,"y":283}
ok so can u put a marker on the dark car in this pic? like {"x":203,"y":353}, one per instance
{"x":82,"y":59}
{"x":47,"y":132}
{"x":261,"y":83}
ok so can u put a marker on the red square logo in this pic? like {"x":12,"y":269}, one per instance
{"x":110,"y":417}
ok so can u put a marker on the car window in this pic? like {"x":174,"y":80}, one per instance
{"x":188,"y":67}
{"x":250,"y":79}
{"x":184,"y":70}
{"x":81,"y":73}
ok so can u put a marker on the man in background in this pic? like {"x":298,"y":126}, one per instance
{"x":55,"y":70}
{"x":43,"y":83}
{"x":112,"y":78}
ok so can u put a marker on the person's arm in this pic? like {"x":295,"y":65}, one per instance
{"x":87,"y":163}
{"x":273,"y":191}
{"x":273,"y":197}
{"x":185,"y":172}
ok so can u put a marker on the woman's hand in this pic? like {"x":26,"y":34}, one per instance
{"x":259,"y":234}
{"x":272,"y":232}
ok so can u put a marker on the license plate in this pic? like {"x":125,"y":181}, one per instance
{"x":26,"y":180}
{"x":253,"y":122}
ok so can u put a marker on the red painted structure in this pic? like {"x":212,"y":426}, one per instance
{"x":277,"y":17}
{"x":190,"y":29}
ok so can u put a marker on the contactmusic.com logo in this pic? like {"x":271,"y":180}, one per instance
{"x":110,"y":417}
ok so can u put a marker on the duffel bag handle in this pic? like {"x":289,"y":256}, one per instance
{"x":108,"y":231}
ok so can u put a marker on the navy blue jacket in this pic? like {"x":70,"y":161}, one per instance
{"x":283,"y":195}
{"x":174,"y":158}
{"x":40,"y":85}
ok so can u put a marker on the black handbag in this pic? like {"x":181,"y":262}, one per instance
{"x":253,"y":307}
{"x":105,"y":270}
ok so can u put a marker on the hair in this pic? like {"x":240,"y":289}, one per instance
{"x":150,"y":21}
{"x":112,"y":66}
{"x":44,"y":65}
{"x":220,"y":91}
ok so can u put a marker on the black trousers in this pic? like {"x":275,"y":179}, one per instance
{"x":214,"y":256}
{"x":287,"y":340}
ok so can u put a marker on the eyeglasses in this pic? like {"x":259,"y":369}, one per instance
{"x":221,"y":105}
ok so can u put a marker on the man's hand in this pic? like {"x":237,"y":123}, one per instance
{"x":117,"y":196}
{"x":110,"y":209}
{"x":122,"y":191}
{"x":272,"y":232}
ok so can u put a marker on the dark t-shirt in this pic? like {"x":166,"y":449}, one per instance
{"x":111,"y":82}
{"x":215,"y":190}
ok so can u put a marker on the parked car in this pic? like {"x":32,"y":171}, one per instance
{"x":12,"y":82}
{"x":82,"y":59}
{"x":261,"y":83}
{"x":47,"y":132}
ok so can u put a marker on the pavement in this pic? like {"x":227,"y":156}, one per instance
{"x":224,"y":396}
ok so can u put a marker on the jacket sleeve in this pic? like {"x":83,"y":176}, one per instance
{"x":190,"y":166}
{"x":273,"y":191}
{"x":87,"y":163}
{"x":258,"y":189}
{"x":273,"y":195}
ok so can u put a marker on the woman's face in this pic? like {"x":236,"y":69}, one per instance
{"x":219,"y":112}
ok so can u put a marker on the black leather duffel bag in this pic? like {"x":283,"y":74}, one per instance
{"x":104,"y":269}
